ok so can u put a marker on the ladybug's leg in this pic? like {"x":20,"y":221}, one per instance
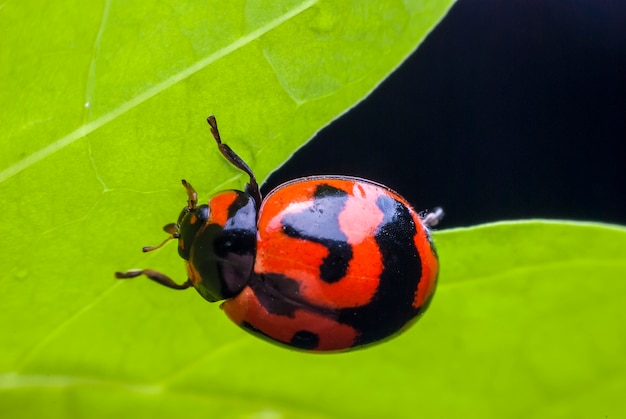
{"x":156,"y":277}
{"x":433,"y":218}
{"x":160,"y":245}
{"x":252,"y":187}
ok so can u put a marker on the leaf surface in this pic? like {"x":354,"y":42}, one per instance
{"x":103,"y":107}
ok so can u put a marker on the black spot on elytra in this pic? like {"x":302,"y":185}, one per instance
{"x":305,"y":340}
{"x":320,"y":224}
{"x":277,"y":293}
{"x":302,"y":339}
{"x":392,"y":305}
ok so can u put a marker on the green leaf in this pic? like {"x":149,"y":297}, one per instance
{"x":533,"y":319}
{"x":527,"y":322}
{"x":103,"y":108}
{"x":103,"y":112}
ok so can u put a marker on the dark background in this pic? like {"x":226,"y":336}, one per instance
{"x":509,"y":109}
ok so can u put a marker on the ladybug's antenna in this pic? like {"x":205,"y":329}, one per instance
{"x":252,"y":187}
{"x":172,"y":229}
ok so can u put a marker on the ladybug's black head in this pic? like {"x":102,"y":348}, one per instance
{"x":191,"y":218}
{"x":189,"y":223}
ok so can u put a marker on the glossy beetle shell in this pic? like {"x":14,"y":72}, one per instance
{"x":340,"y":262}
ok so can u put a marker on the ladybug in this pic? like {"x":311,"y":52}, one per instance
{"x":322,"y":264}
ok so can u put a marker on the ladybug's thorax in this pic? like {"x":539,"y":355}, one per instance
{"x":220,"y":244}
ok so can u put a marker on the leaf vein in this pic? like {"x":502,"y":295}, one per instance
{"x":41,"y":344}
{"x":91,"y":75}
{"x":282,"y":80}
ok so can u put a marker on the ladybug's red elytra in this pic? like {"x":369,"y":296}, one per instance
{"x":322,"y":264}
